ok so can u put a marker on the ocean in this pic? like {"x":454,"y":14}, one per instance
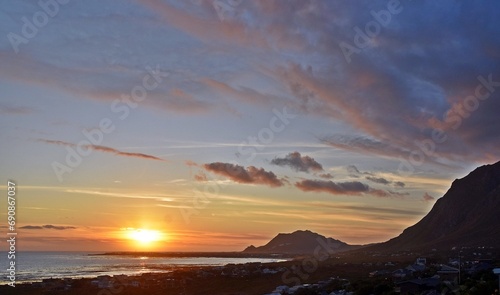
{"x":35,"y":266}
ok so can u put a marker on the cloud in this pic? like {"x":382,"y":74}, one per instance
{"x":201,"y":177}
{"x":298,"y":163}
{"x":380,"y":180}
{"x":428,"y":198}
{"x":190,"y":163}
{"x":355,"y":172}
{"x":353,"y":169}
{"x":326,"y":176}
{"x":47,"y":226}
{"x":365,"y":145}
{"x":242,"y":93}
{"x":251,"y":174}
{"x":8,"y":109}
{"x":391,"y":96}
{"x":344,"y":188}
{"x":335,"y":188}
{"x":392,"y":104}
{"x":103,"y":149}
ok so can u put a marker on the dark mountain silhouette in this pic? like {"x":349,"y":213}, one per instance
{"x":467,"y":215}
{"x":298,"y":242}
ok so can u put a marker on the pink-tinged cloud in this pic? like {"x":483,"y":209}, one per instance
{"x":190,"y":163}
{"x":103,"y":149}
{"x":200,"y":177}
{"x":210,"y":27}
{"x":242,"y":93}
{"x":75,"y":81}
{"x":428,"y":198}
{"x":240,"y":174}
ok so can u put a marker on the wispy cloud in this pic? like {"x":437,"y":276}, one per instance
{"x":372,"y":176}
{"x":326,"y":176}
{"x":8,"y":109}
{"x":47,"y":226}
{"x":380,"y":180}
{"x":428,"y":198}
{"x":103,"y":149}
{"x":240,"y":174}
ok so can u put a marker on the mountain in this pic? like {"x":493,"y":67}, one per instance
{"x":467,"y":215}
{"x":298,"y":242}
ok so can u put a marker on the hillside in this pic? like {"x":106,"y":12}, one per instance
{"x":467,"y":215}
{"x":298,"y":242}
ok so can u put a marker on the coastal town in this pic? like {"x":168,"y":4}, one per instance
{"x":457,"y":271}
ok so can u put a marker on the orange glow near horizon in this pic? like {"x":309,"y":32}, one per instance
{"x":144,"y":238}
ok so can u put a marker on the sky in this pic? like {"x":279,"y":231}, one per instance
{"x":210,"y":125}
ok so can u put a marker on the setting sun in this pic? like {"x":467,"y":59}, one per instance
{"x":144,"y":236}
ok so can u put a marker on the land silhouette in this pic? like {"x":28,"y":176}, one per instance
{"x":452,"y":249}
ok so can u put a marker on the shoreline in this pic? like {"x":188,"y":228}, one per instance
{"x":200,"y":254}
{"x":153,"y":268}
{"x":352,"y":272}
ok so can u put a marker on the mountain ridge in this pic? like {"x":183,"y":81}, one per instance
{"x":299,"y":242}
{"x":468,"y":214}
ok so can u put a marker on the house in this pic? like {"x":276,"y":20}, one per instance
{"x":281,"y":289}
{"x":295,"y":289}
{"x":416,"y":267}
{"x":54,"y":284}
{"x":480,"y":265}
{"x":421,"y":260}
{"x":448,"y":273}
{"x":102,"y":282}
{"x":416,"y":286}
{"x":497,"y":272}
{"x":379,"y":273}
{"x":136,"y":284}
{"x":269,"y":271}
{"x":401,"y":273}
